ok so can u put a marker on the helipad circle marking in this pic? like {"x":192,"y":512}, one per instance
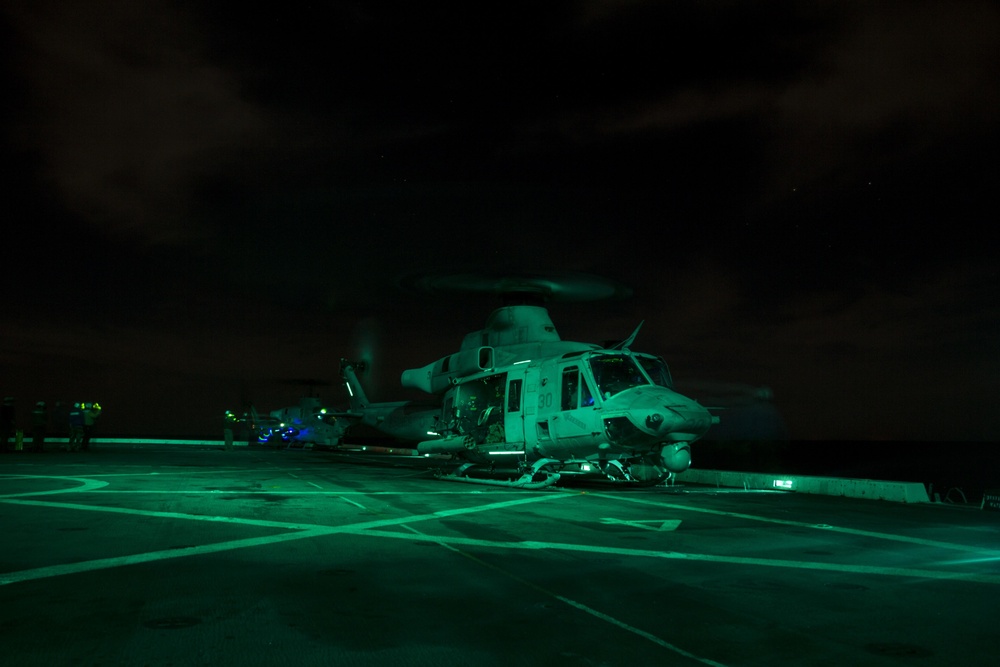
{"x":86,"y":484}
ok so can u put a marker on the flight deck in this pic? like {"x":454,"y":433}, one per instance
{"x":189,"y":555}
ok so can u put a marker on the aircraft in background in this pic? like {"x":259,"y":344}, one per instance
{"x":747,"y":412}
{"x":306,"y":424}
{"x":406,"y":421}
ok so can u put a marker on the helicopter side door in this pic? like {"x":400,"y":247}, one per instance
{"x":513,"y":416}
{"x":521,"y":408}
{"x":577,"y":422}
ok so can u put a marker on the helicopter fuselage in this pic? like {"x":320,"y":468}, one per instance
{"x":585,"y":404}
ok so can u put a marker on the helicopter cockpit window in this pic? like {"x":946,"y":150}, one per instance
{"x":586,"y":394}
{"x":570,"y":387}
{"x":576,"y":391}
{"x":615,"y":373}
{"x":657,"y":370}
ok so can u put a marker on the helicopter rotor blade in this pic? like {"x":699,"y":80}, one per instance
{"x":724,"y":395}
{"x":540,"y":287}
{"x":367,"y":335}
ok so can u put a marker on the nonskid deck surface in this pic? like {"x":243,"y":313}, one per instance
{"x":178,"y":555}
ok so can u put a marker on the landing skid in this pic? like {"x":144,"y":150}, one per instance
{"x":593,"y":481}
{"x":637,"y":473}
{"x":525,"y":481}
{"x":542,"y":474}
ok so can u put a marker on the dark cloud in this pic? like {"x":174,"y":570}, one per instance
{"x":125,"y":113}
{"x":913,"y":363}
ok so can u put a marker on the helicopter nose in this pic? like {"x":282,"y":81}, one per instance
{"x":656,"y":416}
{"x":680,"y":421}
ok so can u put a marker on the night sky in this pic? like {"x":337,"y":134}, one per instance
{"x":205,"y":207}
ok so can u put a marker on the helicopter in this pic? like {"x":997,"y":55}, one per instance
{"x":515,"y":396}
{"x":306,"y":424}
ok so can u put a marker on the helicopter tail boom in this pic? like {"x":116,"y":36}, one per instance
{"x":358,"y":399}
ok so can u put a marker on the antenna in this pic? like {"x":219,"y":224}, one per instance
{"x":624,"y":345}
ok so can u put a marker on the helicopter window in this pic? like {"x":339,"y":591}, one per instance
{"x":615,"y":373}
{"x":656,"y":369}
{"x":478,"y":405}
{"x":586,"y":394}
{"x":514,"y":396}
{"x":570,"y":387}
